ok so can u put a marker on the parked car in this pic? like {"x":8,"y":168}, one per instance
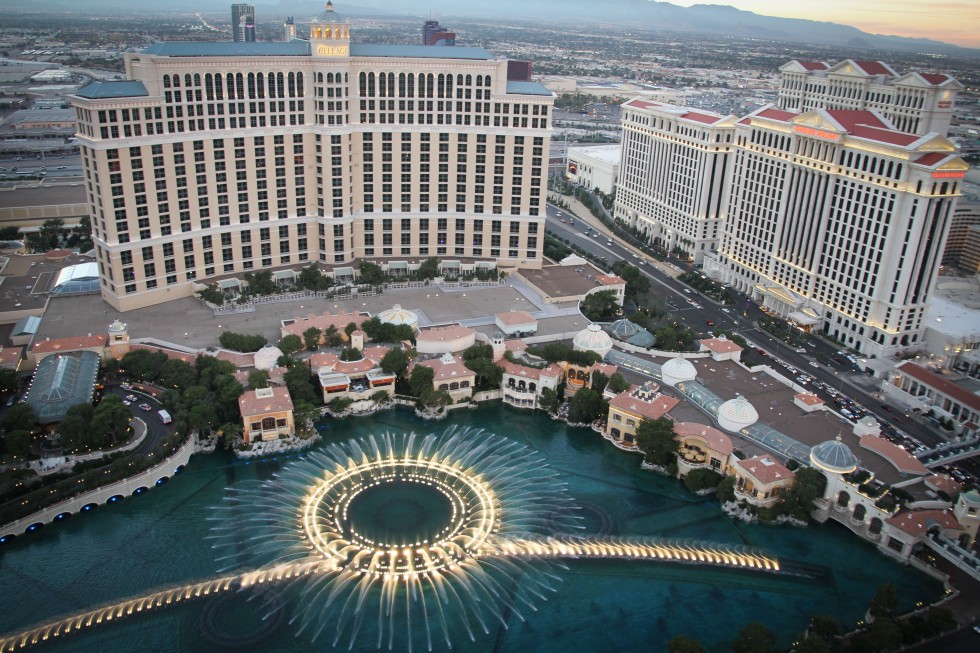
{"x":146,"y":407}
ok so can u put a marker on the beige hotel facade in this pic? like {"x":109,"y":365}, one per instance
{"x":217,"y":159}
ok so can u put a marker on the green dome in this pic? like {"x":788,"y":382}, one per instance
{"x":330,"y":16}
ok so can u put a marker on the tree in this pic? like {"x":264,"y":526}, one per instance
{"x":657,"y":440}
{"x":51,"y":233}
{"x":76,"y":427}
{"x":18,"y":442}
{"x":812,"y":644}
{"x":682,"y":644}
{"x":549,"y":400}
{"x":143,"y":365}
{"x":617,"y":383}
{"x":600,"y":306}
{"x":726,"y":489}
{"x":332,"y":337}
{"x":381,"y":397}
{"x":429,"y":269}
{"x":797,"y":501}
{"x":311,"y":338}
{"x":637,"y":283}
{"x":420,"y":379}
{"x":176,"y":373}
{"x":350,"y":328}
{"x":371,"y":273}
{"x":310,"y":278}
{"x":9,"y":382}
{"x":111,"y":420}
{"x":305,"y":416}
{"x":488,"y":373}
{"x":212,"y":295}
{"x":586,"y":407}
{"x":290,"y":344}
{"x":351,"y":354}
{"x":299,"y":382}
{"x":258,"y":379}
{"x":394,"y":362}
{"x":885,"y":634}
{"x":702,"y":479}
{"x":260,"y":283}
{"x":202,"y":417}
{"x":9,"y":233}
{"x":825,"y":627}
{"x":18,"y":417}
{"x":434,"y":399}
{"x":242,"y":342}
{"x":754,"y":638}
{"x":885,"y":602}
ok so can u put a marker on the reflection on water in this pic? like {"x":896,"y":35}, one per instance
{"x":159,"y":539}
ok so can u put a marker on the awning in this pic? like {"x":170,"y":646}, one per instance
{"x":397,"y":265}
{"x":450,"y":264}
{"x":227,"y":284}
{"x":282,"y":275}
{"x":488,"y":264}
{"x":343,"y":272}
{"x":802,"y":318}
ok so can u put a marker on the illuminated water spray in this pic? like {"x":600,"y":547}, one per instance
{"x":411,"y":538}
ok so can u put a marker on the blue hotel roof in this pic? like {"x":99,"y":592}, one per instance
{"x":418,"y":51}
{"x":108,"y":90}
{"x":526,"y":88}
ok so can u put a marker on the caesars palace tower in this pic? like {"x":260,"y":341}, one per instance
{"x":217,"y":159}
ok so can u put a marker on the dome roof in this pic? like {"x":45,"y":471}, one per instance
{"x":834,"y":456}
{"x":398,"y":315}
{"x":117,"y":327}
{"x":592,"y":338}
{"x":677,"y":370}
{"x":972,"y":497}
{"x":328,"y":15}
{"x":266,"y":358}
{"x":624,"y":329}
{"x":735,"y":414}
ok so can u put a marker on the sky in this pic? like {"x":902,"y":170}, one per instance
{"x":951,"y":22}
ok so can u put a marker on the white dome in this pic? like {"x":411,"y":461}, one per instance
{"x":398,"y":315}
{"x":265,"y":358}
{"x":677,"y":370}
{"x":834,"y":456}
{"x":735,"y":414}
{"x":592,"y":338}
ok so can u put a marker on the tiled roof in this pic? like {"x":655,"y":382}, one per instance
{"x":444,"y":371}
{"x":440,"y":334}
{"x":515,"y":318}
{"x":642,"y":104}
{"x":918,"y":522}
{"x":525,"y":372}
{"x":943,"y":386}
{"x":418,"y":52}
{"x":47,"y":346}
{"x":251,"y":403}
{"x":10,"y":356}
{"x":610,"y":280}
{"x":776,"y":114}
{"x":715,"y":439}
{"x":849,"y":118}
{"x":935,"y":78}
{"x":808,"y":399}
{"x":236,"y":358}
{"x":322,"y":322}
{"x":900,"y":459}
{"x":354,"y":367}
{"x":932,"y":158}
{"x":944,"y":482}
{"x":764,"y":469}
{"x":701,"y":117}
{"x":659,"y":406}
{"x":527,"y":88}
{"x":887,"y":136}
{"x":720,"y":345}
{"x":323,"y":359}
{"x":874,"y":67}
{"x":814,"y":65}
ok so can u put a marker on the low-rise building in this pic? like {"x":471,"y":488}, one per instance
{"x":445,"y":339}
{"x":722,"y":349}
{"x":451,"y":375}
{"x":516,"y":323}
{"x":760,"y":480}
{"x":701,"y":447}
{"x":916,"y":387}
{"x":595,"y":166}
{"x":267,"y":414}
{"x":48,"y":347}
{"x":521,"y":385}
{"x":628,"y":409}
{"x":60,"y":382}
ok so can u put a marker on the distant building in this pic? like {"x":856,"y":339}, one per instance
{"x":919,"y":103}
{"x":289,"y":29}
{"x":963,"y":243}
{"x":836,"y":221}
{"x":435,"y":34}
{"x":243,"y":23}
{"x":672,"y":180}
{"x":518,"y":71}
{"x":596,"y":166}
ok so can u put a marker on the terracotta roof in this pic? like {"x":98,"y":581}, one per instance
{"x":874,"y":67}
{"x":775,"y":114}
{"x":236,"y":358}
{"x":809,"y":399}
{"x":887,"y":136}
{"x":610,"y":280}
{"x":322,"y":322}
{"x":932,"y":158}
{"x":944,"y":482}
{"x":764,"y":469}
{"x":900,"y":459}
{"x":813,"y":65}
{"x":47,"y":346}
{"x":525,"y":372}
{"x":10,"y":356}
{"x":918,"y":522}
{"x":516,"y":318}
{"x":441,"y":334}
{"x":943,"y":386}
{"x":720,"y":345}
{"x":443,"y":371}
{"x":935,"y":78}
{"x":605,"y":368}
{"x":354,"y":367}
{"x":849,"y":118}
{"x":515,"y":345}
{"x":642,"y":104}
{"x":659,"y":406}
{"x":190,"y":359}
{"x":715,"y":439}
{"x":323,"y":359}
{"x":252,"y":404}
{"x":376,"y":353}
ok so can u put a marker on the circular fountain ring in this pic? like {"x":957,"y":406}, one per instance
{"x":328,"y":524}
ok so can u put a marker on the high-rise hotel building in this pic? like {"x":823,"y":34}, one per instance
{"x":837,"y":221}
{"x":216,"y":159}
{"x":920,"y":103}
{"x":673,"y":175}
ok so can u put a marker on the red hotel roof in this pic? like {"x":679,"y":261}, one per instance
{"x":874,"y":67}
{"x":252,"y":404}
{"x":642,"y":104}
{"x":901,"y":459}
{"x":932,"y":158}
{"x":714,"y":438}
{"x":610,"y":280}
{"x":655,"y":409}
{"x":940,"y":384}
{"x":516,"y":318}
{"x":813,"y":65}
{"x":808,"y":399}
{"x":720,"y":345}
{"x":935,"y":78}
{"x":764,"y":469}
{"x":68,"y":344}
{"x":523,"y":371}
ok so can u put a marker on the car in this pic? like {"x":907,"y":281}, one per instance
{"x":570,"y":221}
{"x":595,"y":235}
{"x":725,"y":310}
{"x":563,"y":221}
{"x":814,"y":364}
{"x":609,"y":243}
{"x":146,"y":407}
{"x":709,"y":322}
{"x":558,"y":214}
{"x":130,"y":398}
{"x":800,"y":350}
{"x":642,"y":262}
{"x":635,"y":255}
{"x":687,"y":290}
{"x":127,"y":402}
{"x":62,"y":167}
{"x":125,"y":386}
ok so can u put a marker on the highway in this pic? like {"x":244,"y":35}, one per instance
{"x":694,"y":310}
{"x":53,"y":166}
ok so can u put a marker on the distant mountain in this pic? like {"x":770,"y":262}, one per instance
{"x":704,"y":19}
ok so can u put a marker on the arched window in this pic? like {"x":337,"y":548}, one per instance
{"x":859,"y":512}
{"x":209,"y":86}
{"x":187,"y":80}
{"x":176,"y":81}
{"x":843,"y":499}
{"x":166,"y":81}
{"x":299,"y":85}
{"x":292,"y":84}
{"x":197,"y":79}
{"x":240,"y":86}
{"x":260,"y":84}
{"x":280,"y":85}
{"x":268,"y":423}
{"x":251,"y":86}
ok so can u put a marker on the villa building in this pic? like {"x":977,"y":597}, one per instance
{"x":267,"y":414}
{"x":760,"y":480}
{"x":452,"y":376}
{"x":215,"y":159}
{"x":521,"y":385}
{"x":355,"y":380}
{"x":628,"y":409}
{"x":701,"y":447}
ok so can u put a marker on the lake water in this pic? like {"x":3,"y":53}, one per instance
{"x":159,"y":539}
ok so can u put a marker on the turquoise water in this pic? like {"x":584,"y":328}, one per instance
{"x":159,"y":539}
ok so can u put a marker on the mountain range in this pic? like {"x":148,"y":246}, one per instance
{"x":719,"y":20}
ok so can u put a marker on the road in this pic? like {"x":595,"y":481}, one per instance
{"x":695,"y":310}
{"x":962,"y":640}
{"x":62,"y":166}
